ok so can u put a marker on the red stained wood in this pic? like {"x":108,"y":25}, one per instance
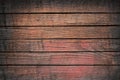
{"x":59,"y":32}
{"x":61,"y":19}
{"x":65,"y":58}
{"x":46,"y":40}
{"x":80,"y":45}
{"x":60,"y":45}
{"x":59,"y":72}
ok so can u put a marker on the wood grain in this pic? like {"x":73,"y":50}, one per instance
{"x":60,"y":45}
{"x":58,"y":32}
{"x":63,"y":58}
{"x":61,"y":19}
{"x":1,"y":7}
{"x":59,"y":72}
{"x":2,"y":20}
{"x":61,"y":6}
{"x":59,"y":39}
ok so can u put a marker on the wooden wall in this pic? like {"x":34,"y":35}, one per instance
{"x":59,"y":40}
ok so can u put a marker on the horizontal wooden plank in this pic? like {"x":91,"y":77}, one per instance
{"x":61,"y":6}
{"x":80,"y":58}
{"x":59,"y":32}
{"x":61,"y":73}
{"x":60,"y":45}
{"x":61,"y":19}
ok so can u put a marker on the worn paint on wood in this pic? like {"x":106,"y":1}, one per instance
{"x":61,"y":6}
{"x":59,"y":72}
{"x":60,"y":45}
{"x":60,"y":58}
{"x":59,"y":32}
{"x":59,"y":40}
{"x":61,"y":19}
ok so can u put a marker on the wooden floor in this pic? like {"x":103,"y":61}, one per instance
{"x":59,"y":40}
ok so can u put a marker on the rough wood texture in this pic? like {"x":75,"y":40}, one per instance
{"x":59,"y":39}
{"x":61,"y":6}
{"x":59,"y":32}
{"x":64,"y":58}
{"x":2,"y":20}
{"x":1,"y":6}
{"x":61,"y":19}
{"x":60,"y":73}
{"x":60,"y":45}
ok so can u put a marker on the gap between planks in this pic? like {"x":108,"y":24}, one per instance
{"x":6,"y":26}
{"x":61,"y":13}
{"x":63,"y":39}
{"x":58,"y":65}
{"x":52,"y":51}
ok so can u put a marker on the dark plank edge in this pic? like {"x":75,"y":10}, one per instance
{"x":61,"y":39}
{"x":51,"y":51}
{"x":60,"y":13}
{"x":6,"y":26}
{"x":59,"y":65}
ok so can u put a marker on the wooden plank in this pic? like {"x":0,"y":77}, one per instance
{"x":61,"y":6}
{"x":60,"y":45}
{"x":61,"y":19}
{"x":2,"y":20}
{"x":59,"y":32}
{"x":62,"y":73}
{"x":1,"y":6}
{"x":2,"y":76}
{"x":81,"y":45}
{"x":63,"y":58}
{"x":27,"y":45}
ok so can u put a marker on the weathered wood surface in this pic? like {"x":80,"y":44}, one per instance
{"x":62,"y":58}
{"x":43,"y":40}
{"x":60,"y":45}
{"x":2,"y":20}
{"x":61,"y":6}
{"x":58,"y":32}
{"x":1,"y":6}
{"x":61,"y":19}
{"x":59,"y":72}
